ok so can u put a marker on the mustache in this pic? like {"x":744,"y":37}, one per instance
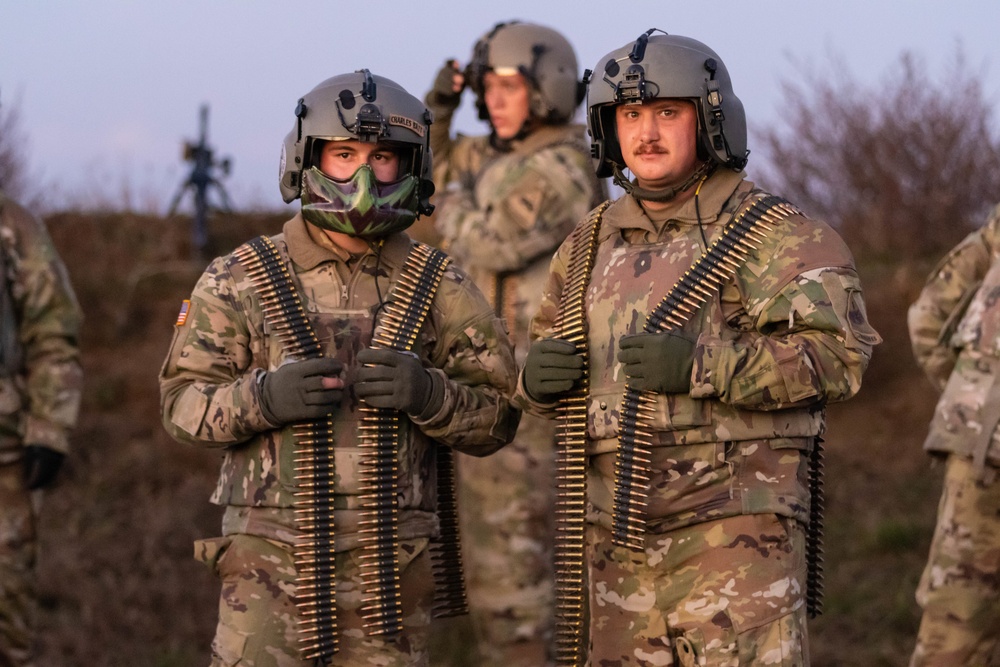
{"x":649,"y":149}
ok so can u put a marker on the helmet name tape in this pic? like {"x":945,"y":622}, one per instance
{"x":414,"y":126}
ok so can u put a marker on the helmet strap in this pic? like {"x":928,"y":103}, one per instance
{"x":663,"y":194}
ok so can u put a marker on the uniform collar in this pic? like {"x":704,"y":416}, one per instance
{"x":627,"y":213}
{"x":309,"y":250}
{"x":548,"y":135}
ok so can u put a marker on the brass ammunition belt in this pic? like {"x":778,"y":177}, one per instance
{"x":315,"y":591}
{"x":380,"y":434}
{"x":699,"y":283}
{"x":814,"y":531}
{"x":571,"y":452}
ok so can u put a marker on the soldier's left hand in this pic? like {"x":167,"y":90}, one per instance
{"x":41,"y":464}
{"x":397,"y":380}
{"x":659,"y":362}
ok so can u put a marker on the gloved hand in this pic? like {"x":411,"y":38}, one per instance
{"x":448,"y":86}
{"x":659,"y":362}
{"x":551,"y":368}
{"x":397,"y":380}
{"x":41,"y":464}
{"x":296,"y":391}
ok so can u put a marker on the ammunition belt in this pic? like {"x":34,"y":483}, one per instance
{"x":571,"y":454}
{"x":814,"y":531}
{"x":699,"y":283}
{"x":381,"y":431}
{"x":315,"y":589}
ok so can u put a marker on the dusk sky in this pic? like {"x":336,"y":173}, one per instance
{"x":108,"y":90}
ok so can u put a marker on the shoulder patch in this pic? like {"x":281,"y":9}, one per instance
{"x":183,"y":315}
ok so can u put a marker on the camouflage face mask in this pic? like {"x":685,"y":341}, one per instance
{"x":360,"y":206}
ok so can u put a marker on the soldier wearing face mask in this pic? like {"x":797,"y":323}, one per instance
{"x":334,"y":365}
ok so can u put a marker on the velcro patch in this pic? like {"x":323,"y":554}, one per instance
{"x":183,"y":315}
{"x":414,"y":126}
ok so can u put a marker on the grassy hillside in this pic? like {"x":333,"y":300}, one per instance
{"x":119,"y":585}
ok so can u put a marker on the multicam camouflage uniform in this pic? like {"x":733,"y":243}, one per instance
{"x":722,"y":577}
{"x":502,"y":215}
{"x":955,"y":331}
{"x":211,"y":397}
{"x":39,"y":402}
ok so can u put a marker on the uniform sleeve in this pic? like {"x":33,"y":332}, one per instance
{"x":49,"y":319}
{"x":474,"y":358}
{"x":440,"y":131}
{"x":525,"y":215}
{"x":934,"y":316}
{"x":209,"y":389}
{"x":803,"y":339}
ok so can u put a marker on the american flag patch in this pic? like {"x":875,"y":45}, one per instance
{"x":183,"y":315}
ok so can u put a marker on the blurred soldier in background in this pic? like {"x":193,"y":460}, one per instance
{"x":700,"y":558}
{"x":509,"y":199}
{"x":235,"y":378}
{"x":955,"y":331}
{"x":40,"y":384}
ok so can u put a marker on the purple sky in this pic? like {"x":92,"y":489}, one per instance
{"x":108,"y":90}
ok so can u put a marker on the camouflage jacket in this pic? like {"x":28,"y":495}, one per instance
{"x":786,"y":336}
{"x":211,"y":377}
{"x":40,"y":402}
{"x":955,"y":332}
{"x":503,"y":214}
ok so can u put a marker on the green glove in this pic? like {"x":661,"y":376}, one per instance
{"x":657,"y":362}
{"x":397,"y":380}
{"x":551,"y":368}
{"x":295,"y":391}
{"x":41,"y":464}
{"x":444,"y":93}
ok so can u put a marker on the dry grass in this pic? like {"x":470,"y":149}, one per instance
{"x":119,"y":585}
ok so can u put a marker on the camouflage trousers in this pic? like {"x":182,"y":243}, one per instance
{"x":258,"y":619}
{"x":506,"y":502}
{"x":726,"y":592}
{"x":960,"y":587}
{"x":18,"y":602}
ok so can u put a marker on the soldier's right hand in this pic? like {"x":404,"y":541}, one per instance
{"x":301,"y":390}
{"x":448,"y":86}
{"x":551,"y":368}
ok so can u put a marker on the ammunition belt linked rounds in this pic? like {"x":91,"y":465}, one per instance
{"x":380,"y":429}
{"x":315,"y":591}
{"x":571,"y":452}
{"x":380,"y":434}
{"x":699,"y":283}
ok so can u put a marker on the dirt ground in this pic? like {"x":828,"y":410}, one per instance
{"x":118,"y":582}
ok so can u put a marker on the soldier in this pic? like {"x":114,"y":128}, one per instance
{"x":235,"y":378}
{"x":955,"y":330}
{"x":40,"y":383}
{"x":510,"y":199}
{"x":698,"y":413}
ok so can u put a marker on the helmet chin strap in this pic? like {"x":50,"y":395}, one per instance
{"x":664,"y":194}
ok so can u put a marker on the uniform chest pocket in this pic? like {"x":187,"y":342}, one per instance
{"x":341,"y":334}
